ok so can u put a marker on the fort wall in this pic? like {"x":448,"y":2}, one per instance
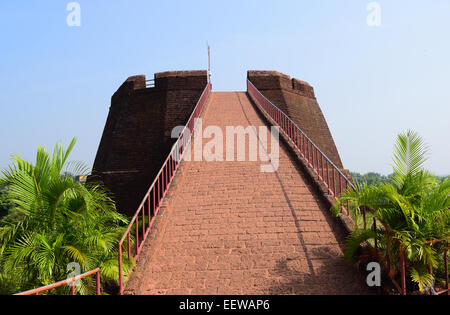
{"x":137,"y":136}
{"x":296,"y":98}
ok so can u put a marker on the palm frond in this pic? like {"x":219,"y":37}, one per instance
{"x":354,"y":242}
{"x":422,"y":278}
{"x":410,"y":154}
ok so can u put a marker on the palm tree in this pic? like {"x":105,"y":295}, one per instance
{"x":57,"y":221}
{"x":411,"y":214}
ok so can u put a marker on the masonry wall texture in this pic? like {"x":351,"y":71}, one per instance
{"x":137,"y":135}
{"x":297,"y":99}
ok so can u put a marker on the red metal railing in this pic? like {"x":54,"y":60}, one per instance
{"x":145,"y":216}
{"x":327,"y":172}
{"x":71,"y":282}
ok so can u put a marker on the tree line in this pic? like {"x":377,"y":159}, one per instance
{"x":373,"y":178}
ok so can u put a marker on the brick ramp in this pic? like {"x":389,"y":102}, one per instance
{"x":227,"y":228}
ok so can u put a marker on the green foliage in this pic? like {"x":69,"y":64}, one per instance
{"x":5,"y":203}
{"x":56,"y":221}
{"x":354,"y":241}
{"x":412,"y":211}
{"x":373,"y":178}
{"x":422,"y":278}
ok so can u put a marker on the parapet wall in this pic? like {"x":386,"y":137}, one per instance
{"x":297,"y":99}
{"x":137,"y":135}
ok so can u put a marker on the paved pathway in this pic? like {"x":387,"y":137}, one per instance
{"x":228,"y":228}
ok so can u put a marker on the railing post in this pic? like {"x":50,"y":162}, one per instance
{"x":98,"y":283}
{"x":157,"y":194}
{"x":328,"y":176}
{"x":167,"y":177}
{"x":430,"y":271}
{"x":163,"y":181}
{"x":172,"y":168}
{"x":308,"y":152}
{"x":403,"y":269}
{"x":334,"y":182}
{"x":321,"y":166}
{"x":137,"y":234}
{"x":129,"y":245}
{"x":143,"y":221}
{"x":318,"y":162}
{"x":169,"y":170}
{"x":313,"y":159}
{"x":154,"y":202}
{"x":316,"y":159}
{"x":446,"y":269}
{"x":174,"y":163}
{"x":120,"y":270}
{"x":304,"y":146}
{"x":375,"y":239}
{"x":149,"y":209}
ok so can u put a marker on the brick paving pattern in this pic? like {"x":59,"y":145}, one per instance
{"x":228,"y":228}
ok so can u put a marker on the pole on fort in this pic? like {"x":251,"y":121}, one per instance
{"x":209,"y":63}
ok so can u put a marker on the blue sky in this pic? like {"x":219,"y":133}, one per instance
{"x":371,"y":82}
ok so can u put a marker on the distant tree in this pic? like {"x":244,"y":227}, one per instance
{"x":370,"y":178}
{"x":443,"y":178}
{"x":373,"y":178}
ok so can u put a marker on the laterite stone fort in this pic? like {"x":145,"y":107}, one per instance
{"x":137,"y":136}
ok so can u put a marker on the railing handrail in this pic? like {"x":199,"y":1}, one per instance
{"x":65,"y":282}
{"x":150,"y":83}
{"x":305,"y":135}
{"x":174,"y":146}
{"x":152,"y":186}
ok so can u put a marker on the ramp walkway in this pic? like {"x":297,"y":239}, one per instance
{"x":228,"y":228}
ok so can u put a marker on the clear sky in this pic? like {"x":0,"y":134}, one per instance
{"x":371,"y":82}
